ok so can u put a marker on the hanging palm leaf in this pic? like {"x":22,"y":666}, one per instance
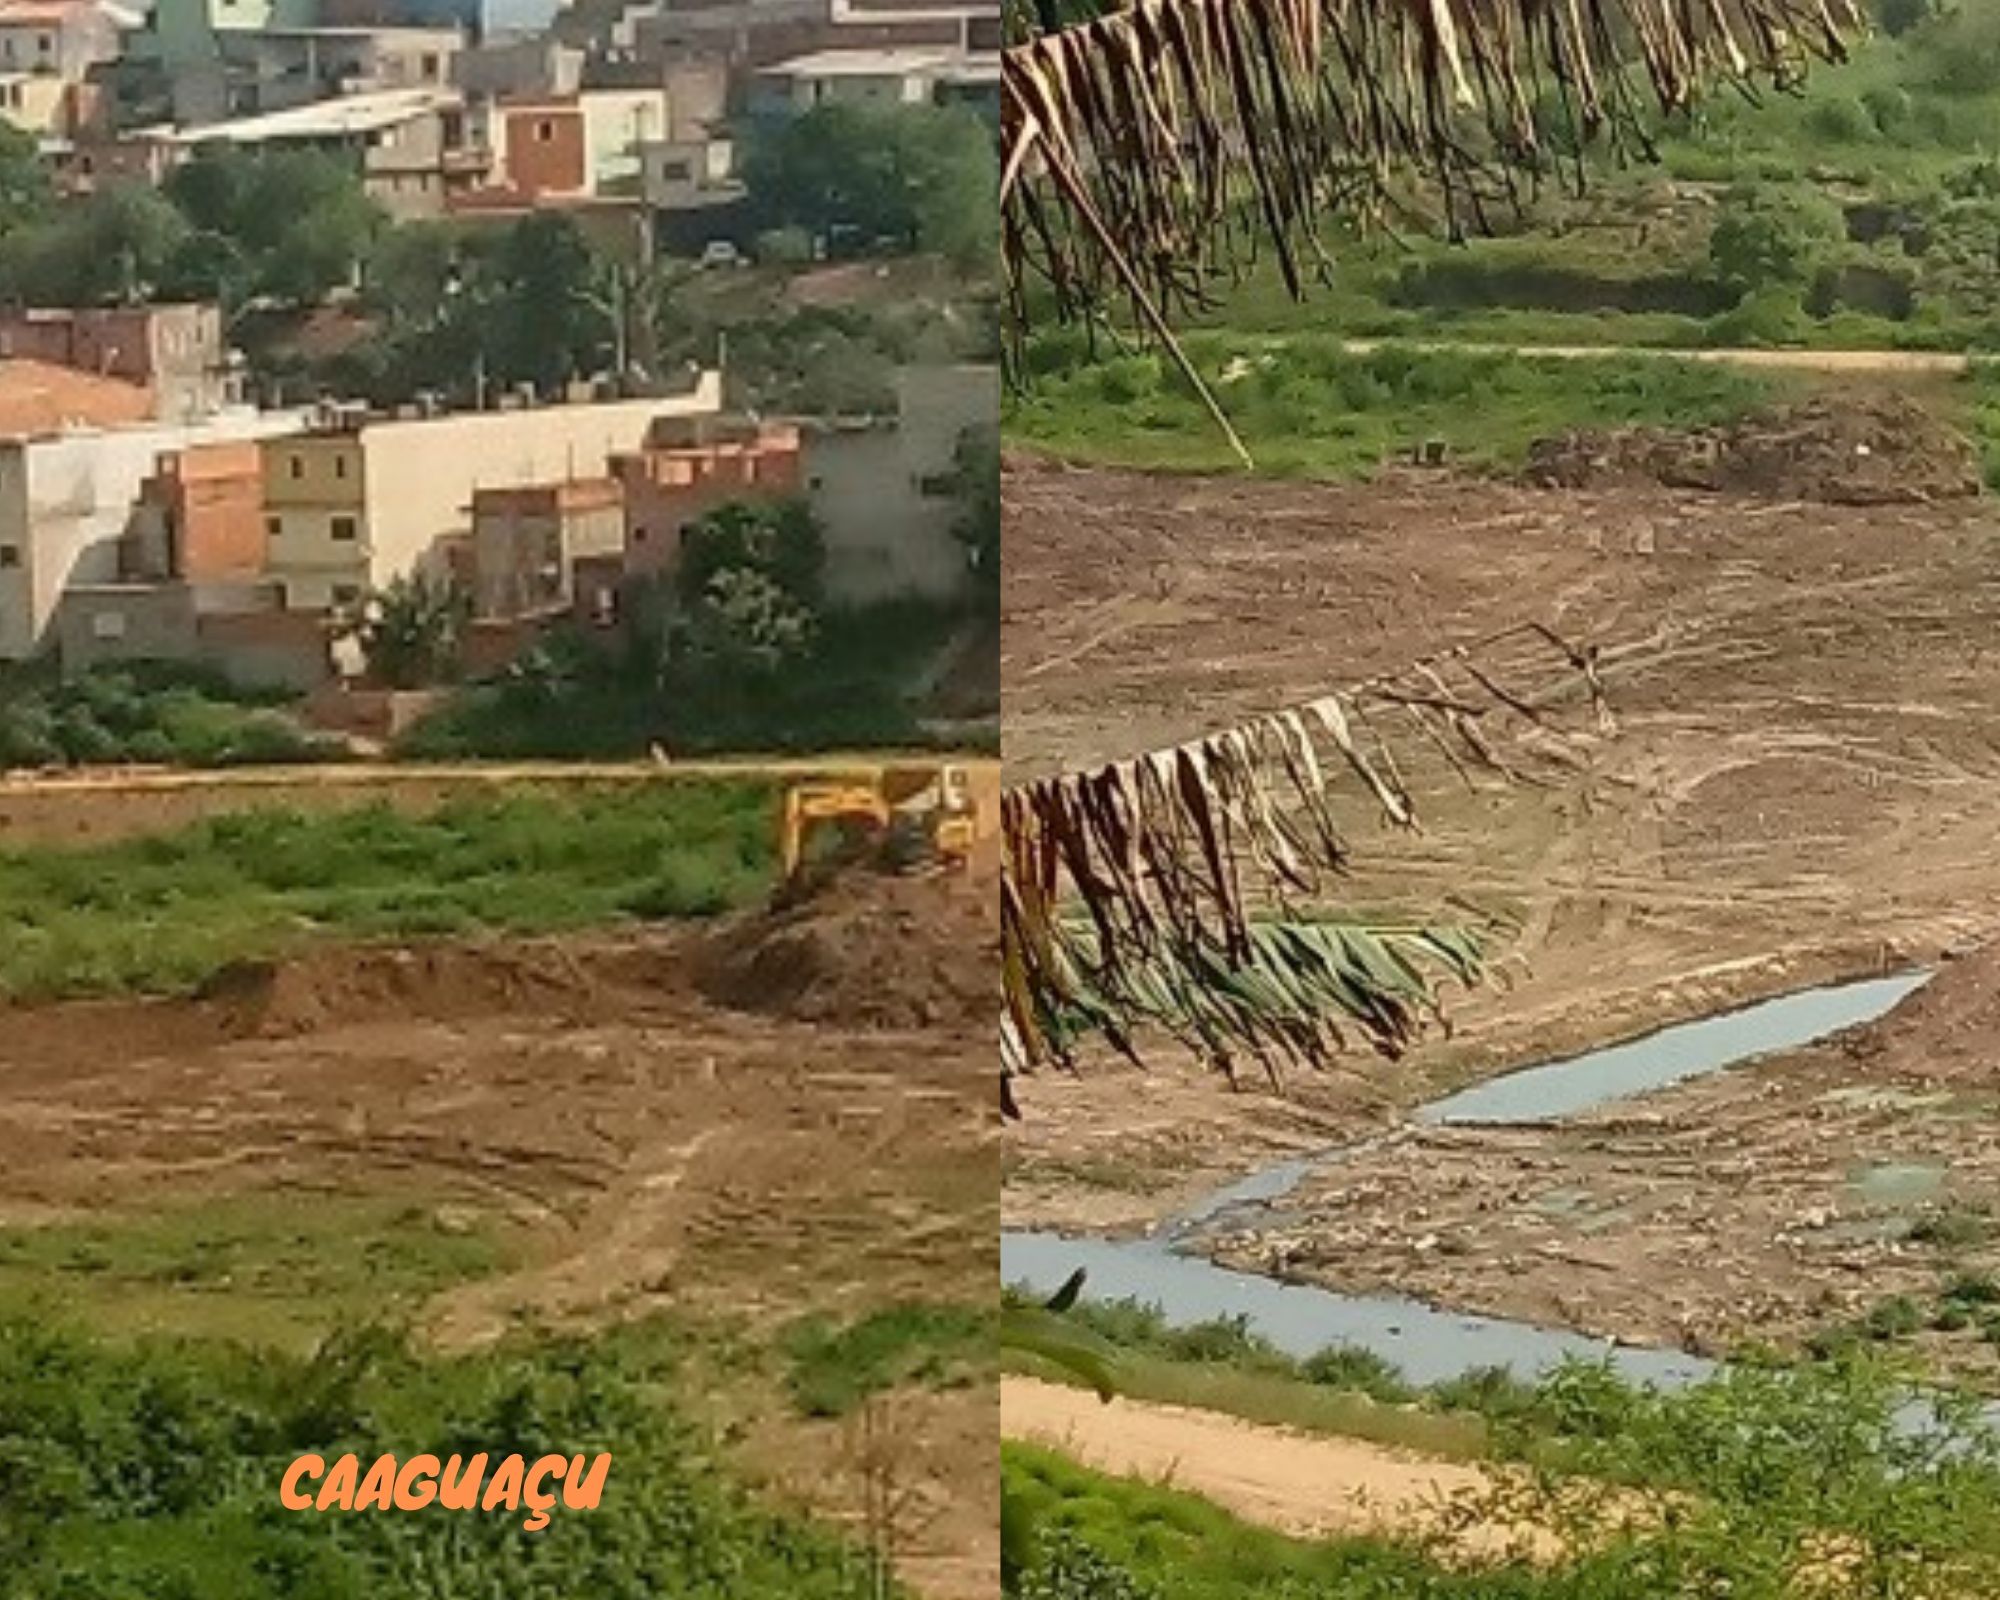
{"x":1152,"y":147}
{"x":1169,"y":891}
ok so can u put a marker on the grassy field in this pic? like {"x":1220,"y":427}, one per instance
{"x":162,"y":913}
{"x":1307,"y":407}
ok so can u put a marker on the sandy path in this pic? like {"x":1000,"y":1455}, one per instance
{"x":1300,"y":1484}
{"x":1946,"y":363}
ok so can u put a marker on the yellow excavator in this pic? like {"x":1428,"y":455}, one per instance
{"x":903,"y":819}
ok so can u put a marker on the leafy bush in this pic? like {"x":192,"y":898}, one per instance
{"x":151,"y":1473}
{"x":153,"y":713}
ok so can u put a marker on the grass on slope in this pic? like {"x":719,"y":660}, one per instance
{"x":162,"y":913}
{"x":1307,"y":407}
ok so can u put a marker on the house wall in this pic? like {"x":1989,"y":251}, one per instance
{"x":268,"y":649}
{"x":665,"y":490}
{"x":421,"y":474}
{"x":523,"y":544}
{"x":316,"y":518}
{"x":884,"y":494}
{"x":617,"y":122}
{"x":544,"y":149}
{"x":175,"y":350}
{"x":34,"y":104}
{"x":215,"y":497}
{"x":535,"y":67}
{"x":66,"y":503}
{"x":95,"y":625}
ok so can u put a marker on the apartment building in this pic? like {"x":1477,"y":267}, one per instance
{"x":357,"y":500}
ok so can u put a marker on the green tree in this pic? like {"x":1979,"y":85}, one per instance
{"x":26,"y":194}
{"x":781,"y":542}
{"x":116,"y":246}
{"x":1767,"y":237}
{"x":922,"y":175}
{"x":978,"y":523}
{"x":545,"y":326}
{"x":411,"y":631}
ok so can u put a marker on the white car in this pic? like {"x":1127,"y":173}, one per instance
{"x":721,"y":253}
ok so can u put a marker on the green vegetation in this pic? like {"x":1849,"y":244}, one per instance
{"x":1762,"y":1467}
{"x":272,"y":1270}
{"x":741,"y":648}
{"x":834,"y":1369}
{"x":151,"y":1473}
{"x":279,"y":226}
{"x":153,"y":714}
{"x":163,"y":913}
{"x":855,"y":177}
{"x":1307,"y":406}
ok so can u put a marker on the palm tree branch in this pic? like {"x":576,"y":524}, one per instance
{"x":1148,"y":149}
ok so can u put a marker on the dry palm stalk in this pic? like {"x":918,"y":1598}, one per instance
{"x":1150,"y":148}
{"x":1140,"y":893}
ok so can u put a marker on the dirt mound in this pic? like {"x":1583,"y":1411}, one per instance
{"x":1942,"y":1033}
{"x":865,"y":951}
{"x":436,"y":981}
{"x":1877,"y":450}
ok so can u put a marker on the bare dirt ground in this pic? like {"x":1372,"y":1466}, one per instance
{"x":650,"y":1131}
{"x":1305,"y":1485}
{"x":1804,"y":783}
{"x":1765,"y":1204}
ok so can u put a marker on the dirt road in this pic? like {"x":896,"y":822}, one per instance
{"x":1804,"y":782}
{"x":1306,"y":1485}
{"x":1835,"y":363}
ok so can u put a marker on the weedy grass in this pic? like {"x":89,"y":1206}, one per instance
{"x":1307,"y":406}
{"x":151,"y":1472}
{"x":161,"y":913}
{"x":835,"y":1368}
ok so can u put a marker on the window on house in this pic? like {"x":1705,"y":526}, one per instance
{"x":274,"y":527}
{"x":298,"y":468}
{"x":10,"y":555}
{"x":340,"y":463}
{"x":108,"y":625}
{"x":638,"y":535}
{"x":545,"y":131}
{"x":345,"y":594}
{"x":345,"y":529}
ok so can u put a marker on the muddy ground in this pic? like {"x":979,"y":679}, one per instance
{"x":1804,"y":782}
{"x":638,"y":1126}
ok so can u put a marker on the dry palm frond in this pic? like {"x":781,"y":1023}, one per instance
{"x":1140,"y":893}
{"x":1151,"y":147}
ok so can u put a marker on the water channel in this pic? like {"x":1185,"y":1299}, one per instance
{"x":1427,"y":1344}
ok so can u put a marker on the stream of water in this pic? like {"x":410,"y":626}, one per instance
{"x":1429,"y":1345}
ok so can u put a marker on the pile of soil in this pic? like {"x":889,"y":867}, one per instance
{"x":1865,"y":451}
{"x":864,"y":951}
{"x":1944,"y":1033}
{"x":439,"y":980}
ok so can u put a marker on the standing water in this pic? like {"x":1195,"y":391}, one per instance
{"x":1429,"y":1345}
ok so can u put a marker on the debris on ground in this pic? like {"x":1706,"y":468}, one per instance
{"x":1859,"y":451}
